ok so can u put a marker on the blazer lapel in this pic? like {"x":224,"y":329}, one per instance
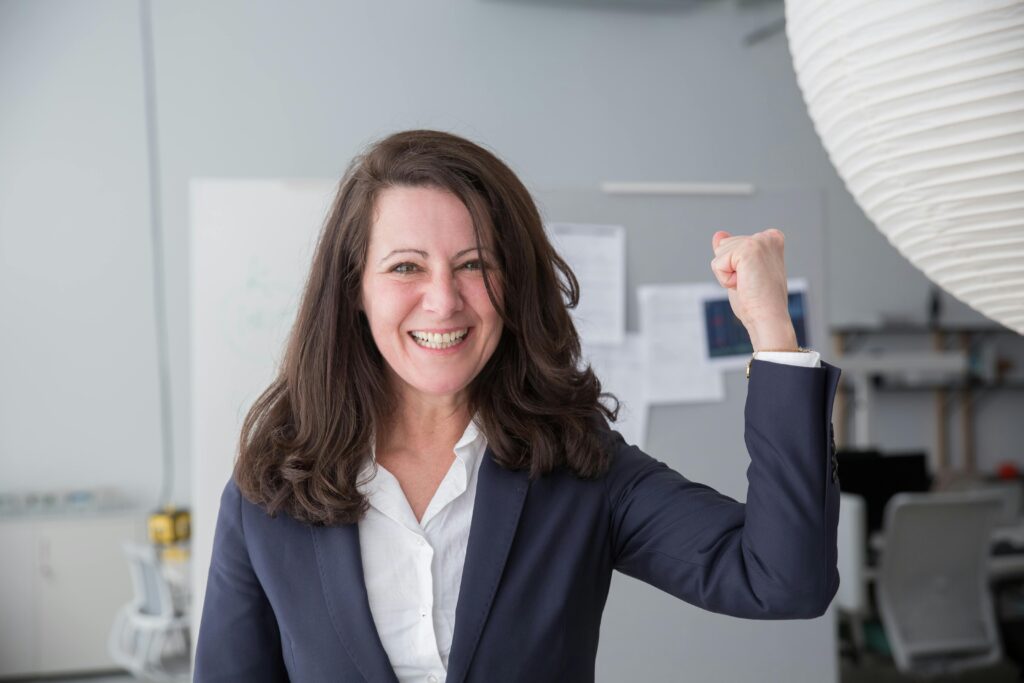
{"x":499,"y":501}
{"x":341,"y":575}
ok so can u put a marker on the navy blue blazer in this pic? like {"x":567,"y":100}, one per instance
{"x":286,"y":600}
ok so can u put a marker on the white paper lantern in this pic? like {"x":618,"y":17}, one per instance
{"x":920,"y":106}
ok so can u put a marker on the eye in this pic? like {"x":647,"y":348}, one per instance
{"x":473,"y":265}
{"x":404,"y":268}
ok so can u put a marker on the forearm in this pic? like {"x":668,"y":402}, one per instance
{"x":792,"y":500}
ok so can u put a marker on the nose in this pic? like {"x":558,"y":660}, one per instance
{"x":442,"y":296}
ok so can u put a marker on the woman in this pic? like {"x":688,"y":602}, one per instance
{"x":430,"y":489}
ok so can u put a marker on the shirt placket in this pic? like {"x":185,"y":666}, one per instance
{"x":391,"y":502}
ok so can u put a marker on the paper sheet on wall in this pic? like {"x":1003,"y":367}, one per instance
{"x":597,"y":256}
{"x":671,"y":322}
{"x":621,"y":369}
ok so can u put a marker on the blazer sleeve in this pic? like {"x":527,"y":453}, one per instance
{"x":238,"y":635}
{"x":771,"y":558}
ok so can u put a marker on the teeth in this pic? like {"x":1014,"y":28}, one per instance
{"x":436,"y":340}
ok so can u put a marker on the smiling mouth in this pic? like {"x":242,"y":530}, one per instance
{"x":433,"y":340}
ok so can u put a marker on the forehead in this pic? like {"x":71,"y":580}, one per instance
{"x":421,"y":216}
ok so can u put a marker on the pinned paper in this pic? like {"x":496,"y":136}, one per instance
{"x":622,"y":369}
{"x":677,"y":369}
{"x":597,"y":256}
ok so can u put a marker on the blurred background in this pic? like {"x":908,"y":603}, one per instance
{"x":114,"y":112}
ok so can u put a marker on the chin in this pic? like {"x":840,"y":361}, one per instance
{"x":444,"y":390}
{"x":438,"y":388}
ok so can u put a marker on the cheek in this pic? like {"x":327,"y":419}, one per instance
{"x":386,"y":307}
{"x":482,"y":303}
{"x":483,"y":308}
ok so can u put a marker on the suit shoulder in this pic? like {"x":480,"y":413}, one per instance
{"x":234,"y":504}
{"x":627,"y":461}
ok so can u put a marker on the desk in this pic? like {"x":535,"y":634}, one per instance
{"x":1000,"y":567}
{"x":1011,"y":565}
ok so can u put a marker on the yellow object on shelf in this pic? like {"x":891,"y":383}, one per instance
{"x":170,"y":525}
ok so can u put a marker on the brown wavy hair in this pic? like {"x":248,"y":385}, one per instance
{"x":308,"y":434}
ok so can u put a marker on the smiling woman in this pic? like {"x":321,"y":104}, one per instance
{"x":430,"y":489}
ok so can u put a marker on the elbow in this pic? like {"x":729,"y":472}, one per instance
{"x":817,"y":606}
{"x":805,"y":607}
{"x":830,"y":594}
{"x":805,"y":604}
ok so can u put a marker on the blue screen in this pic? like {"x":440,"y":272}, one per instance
{"x":726,"y":335}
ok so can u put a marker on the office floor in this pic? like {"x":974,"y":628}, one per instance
{"x":877,"y":670}
{"x":870,"y":671}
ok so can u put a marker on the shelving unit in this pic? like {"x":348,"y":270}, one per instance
{"x":983,"y":375}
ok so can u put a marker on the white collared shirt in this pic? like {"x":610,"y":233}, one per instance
{"x":413,"y":569}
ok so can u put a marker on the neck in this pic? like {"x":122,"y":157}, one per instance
{"x":424,"y":427}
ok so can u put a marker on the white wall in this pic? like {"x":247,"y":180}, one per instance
{"x":78,"y":392}
{"x":568,"y":95}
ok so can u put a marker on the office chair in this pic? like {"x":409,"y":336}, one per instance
{"x":932,"y":582}
{"x":150,"y":635}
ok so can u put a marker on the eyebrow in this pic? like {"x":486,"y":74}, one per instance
{"x":424,"y":254}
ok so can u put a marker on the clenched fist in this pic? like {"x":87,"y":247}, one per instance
{"x":753,"y":269}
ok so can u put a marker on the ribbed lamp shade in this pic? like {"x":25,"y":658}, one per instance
{"x":920,"y":106}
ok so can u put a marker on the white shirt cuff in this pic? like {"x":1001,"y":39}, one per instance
{"x":811,"y":359}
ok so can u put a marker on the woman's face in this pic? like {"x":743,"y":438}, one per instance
{"x":423,"y":292}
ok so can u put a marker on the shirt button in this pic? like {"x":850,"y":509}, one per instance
{"x":432,"y":678}
{"x":419,"y":540}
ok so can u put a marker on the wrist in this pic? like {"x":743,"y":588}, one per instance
{"x":777,"y":337}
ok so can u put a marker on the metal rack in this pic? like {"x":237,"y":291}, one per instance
{"x":958,"y":354}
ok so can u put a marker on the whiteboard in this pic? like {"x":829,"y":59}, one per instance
{"x":252,"y":244}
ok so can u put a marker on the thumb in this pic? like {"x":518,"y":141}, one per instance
{"x":717,"y":238}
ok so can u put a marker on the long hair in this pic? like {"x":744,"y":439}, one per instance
{"x":308,"y":435}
